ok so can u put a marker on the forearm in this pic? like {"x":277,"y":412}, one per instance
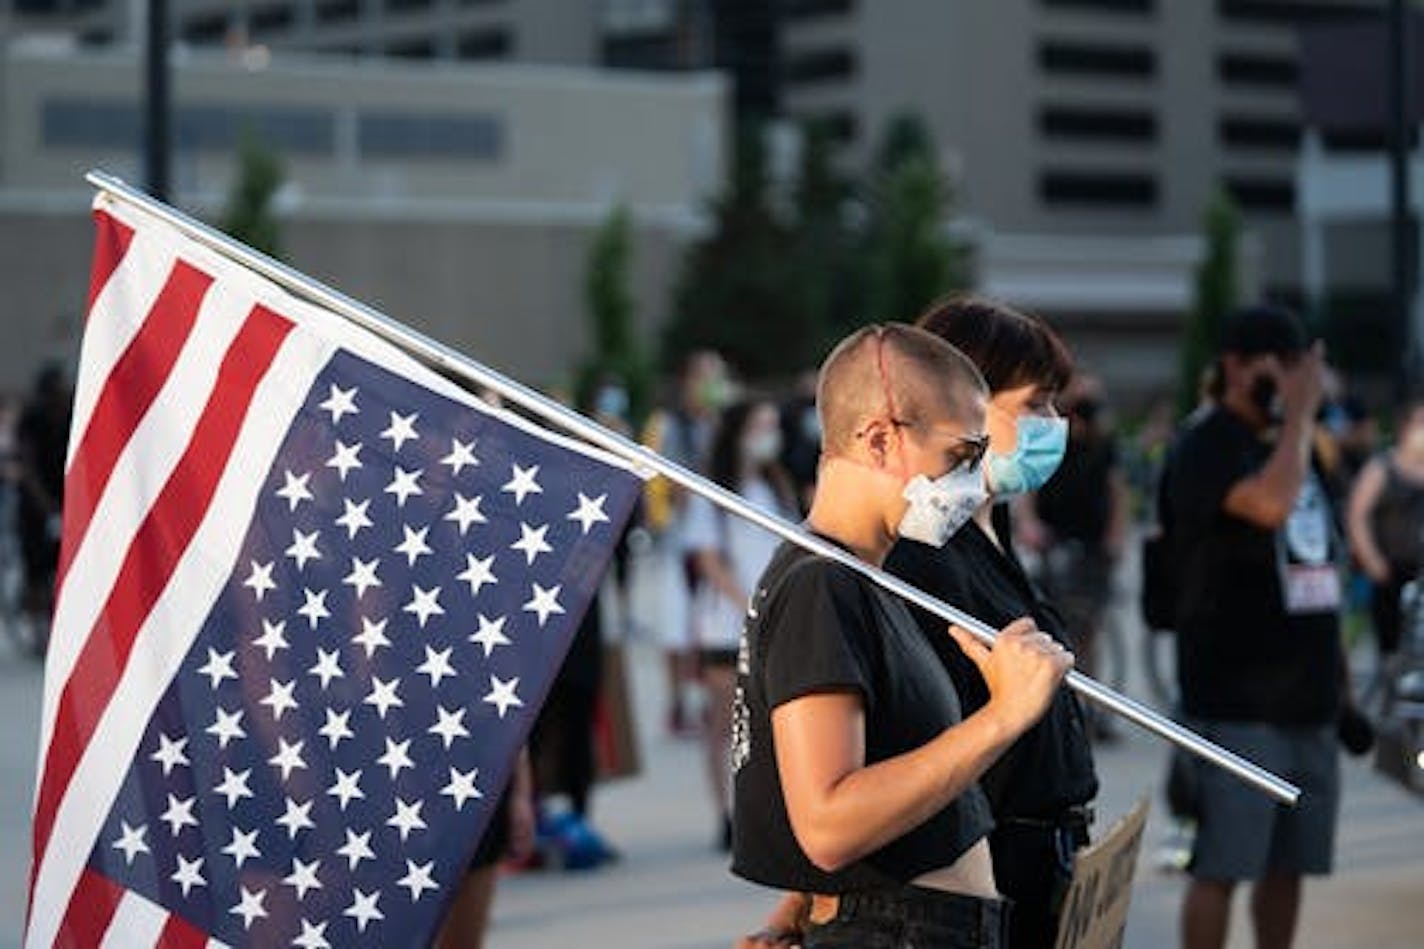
{"x":879,"y":803}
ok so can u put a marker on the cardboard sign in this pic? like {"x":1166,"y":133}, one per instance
{"x":1095,"y":909}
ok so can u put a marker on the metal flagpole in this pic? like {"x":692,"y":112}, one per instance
{"x":445,"y":358}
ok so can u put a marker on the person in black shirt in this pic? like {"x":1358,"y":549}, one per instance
{"x":854,"y":771}
{"x":1041,"y":789}
{"x":1259,"y":656}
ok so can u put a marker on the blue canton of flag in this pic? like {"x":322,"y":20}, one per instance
{"x":319,"y":770}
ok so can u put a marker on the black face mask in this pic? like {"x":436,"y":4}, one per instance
{"x":1263,"y":394}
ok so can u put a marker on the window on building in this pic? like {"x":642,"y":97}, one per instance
{"x":1285,"y":11}
{"x":1101,"y":189}
{"x":1096,"y":124}
{"x":820,"y":65}
{"x":439,"y":136}
{"x":809,"y":9}
{"x":492,"y":43}
{"x":1257,"y":69}
{"x":1063,"y":57}
{"x":337,"y":11}
{"x":269,"y":20}
{"x":1262,"y":194}
{"x":1124,"y":6}
{"x":206,"y":29}
{"x":412,"y":47}
{"x":104,"y":123}
{"x":1258,"y":132}
{"x":408,"y":6}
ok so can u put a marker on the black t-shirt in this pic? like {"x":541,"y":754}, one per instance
{"x":1050,"y":767}
{"x":814,"y":627}
{"x":1258,"y":610}
{"x":1077,"y":501}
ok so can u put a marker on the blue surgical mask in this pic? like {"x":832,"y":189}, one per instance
{"x":1039,"y":452}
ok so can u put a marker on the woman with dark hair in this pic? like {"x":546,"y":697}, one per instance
{"x":1040,"y":790}
{"x":729,"y":554}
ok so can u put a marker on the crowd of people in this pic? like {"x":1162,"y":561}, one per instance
{"x":896,"y":781}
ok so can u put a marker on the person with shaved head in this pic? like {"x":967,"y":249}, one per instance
{"x":855,"y":771}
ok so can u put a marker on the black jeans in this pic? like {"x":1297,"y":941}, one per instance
{"x":911,"y":918}
{"x":1033,"y":865}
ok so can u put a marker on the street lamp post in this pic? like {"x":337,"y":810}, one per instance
{"x":157,"y":135}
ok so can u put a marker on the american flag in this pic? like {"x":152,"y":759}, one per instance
{"x":311,"y":597}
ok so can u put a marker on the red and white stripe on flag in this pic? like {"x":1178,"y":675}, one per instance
{"x":191,"y":371}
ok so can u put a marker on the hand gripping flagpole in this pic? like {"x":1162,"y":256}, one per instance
{"x":650,"y":462}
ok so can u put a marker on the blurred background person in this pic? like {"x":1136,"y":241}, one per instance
{"x":1385,"y":521}
{"x":1078,"y":523}
{"x":730,"y":554}
{"x":40,"y":440}
{"x":682,"y":432}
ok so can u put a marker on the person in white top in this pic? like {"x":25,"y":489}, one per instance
{"x":730,"y":554}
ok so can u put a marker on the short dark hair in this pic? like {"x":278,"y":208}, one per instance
{"x":1262,"y":329}
{"x":1010,"y":347}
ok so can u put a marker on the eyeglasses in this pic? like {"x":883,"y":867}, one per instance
{"x":972,"y":452}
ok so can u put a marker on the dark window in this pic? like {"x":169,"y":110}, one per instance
{"x":271,"y":20}
{"x":642,"y":51}
{"x":1259,"y":133}
{"x":1098,"y":124}
{"x":1262,"y":194}
{"x":1247,"y":69}
{"x":96,"y":123}
{"x":208,"y":28}
{"x":807,"y":9}
{"x":1356,"y":140}
{"x":1285,"y":11}
{"x":821,"y":65}
{"x":415,"y":47}
{"x":100,"y":36}
{"x":429,"y":135}
{"x":484,"y":44}
{"x":1095,"y":60}
{"x":1134,"y":6}
{"x":1098,"y":189}
{"x":334,"y":11}
{"x":403,"y":6}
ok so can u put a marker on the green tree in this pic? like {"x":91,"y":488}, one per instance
{"x":1216,"y":290}
{"x":826,"y":260}
{"x":248,"y":216}
{"x":910,"y":259}
{"x":738,"y":293}
{"x":617,"y":355}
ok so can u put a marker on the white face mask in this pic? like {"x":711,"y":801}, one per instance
{"x":940,"y":507}
{"x":763,"y":447}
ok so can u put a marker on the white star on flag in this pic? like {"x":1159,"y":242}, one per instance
{"x":345,"y":459}
{"x":424,"y":604}
{"x":279,"y":698}
{"x":328,"y":667}
{"x":243,"y":847}
{"x":226,"y":727}
{"x":314,"y":609}
{"x":417,"y":879}
{"x":436,"y":666}
{"x":219,"y":667}
{"x":354,"y":517}
{"x":274,"y":637}
{"x":405,"y":485}
{"x":589,"y":512}
{"x":303,"y":877}
{"x":260,"y":579}
{"x":461,"y":454}
{"x":449,"y":726}
{"x":363,"y":908}
{"x":170,"y":753}
{"x":401,"y":430}
{"x":250,"y":907}
{"x":490,"y":634}
{"x":187,"y":875}
{"x":296,"y":817}
{"x":406,"y":818}
{"x":312,"y":936}
{"x":383,"y":695}
{"x":544,"y":602}
{"x":477,"y":573}
{"x":363,"y":575}
{"x":531,"y":541}
{"x":288,"y":758}
{"x":303,"y":548}
{"x":295,"y":491}
{"x":356,"y":848}
{"x":466,"y":512}
{"x":414,"y":545}
{"x":179,"y":814}
{"x":131,"y":842}
{"x":462,"y":787}
{"x":501,"y":694}
{"x":522,"y":483}
{"x":372,"y":636}
{"x":347,"y":787}
{"x":340,"y":402}
{"x":397,"y":757}
{"x":234,"y":786}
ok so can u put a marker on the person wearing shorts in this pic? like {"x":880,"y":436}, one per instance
{"x":1258,"y":627}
